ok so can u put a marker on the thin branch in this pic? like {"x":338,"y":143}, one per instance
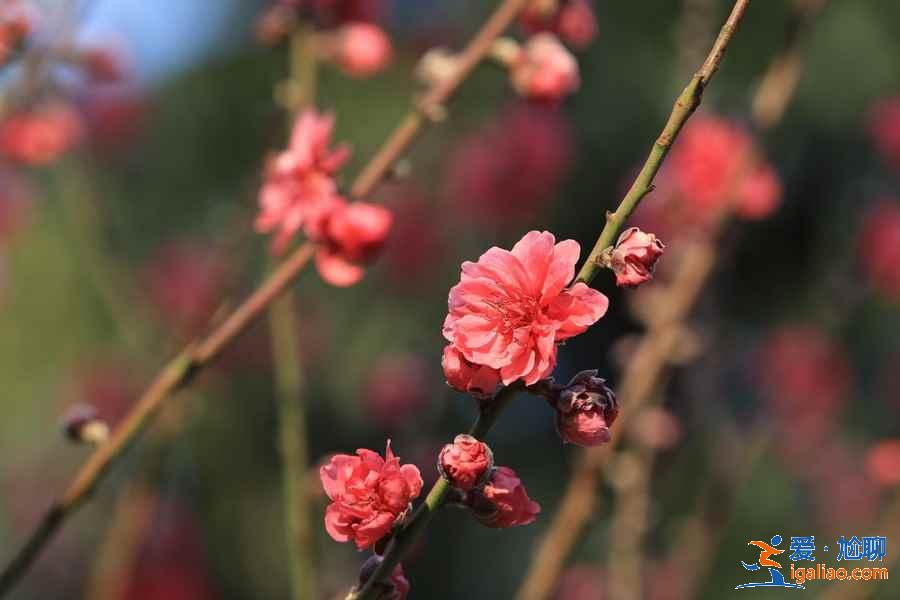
{"x":684,"y":107}
{"x":180,"y":370}
{"x":650,"y":361}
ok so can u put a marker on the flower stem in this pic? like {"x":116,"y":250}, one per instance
{"x":684,"y":107}
{"x":292,"y":427}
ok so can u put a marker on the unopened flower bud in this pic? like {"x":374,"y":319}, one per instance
{"x":478,"y":380}
{"x":585,"y":410}
{"x":466,"y":462}
{"x":545,"y":70}
{"x":396,"y":587}
{"x":506,"y":493}
{"x":81,"y":424}
{"x":634,"y":257}
{"x":436,"y":65}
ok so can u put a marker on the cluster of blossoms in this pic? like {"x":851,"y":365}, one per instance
{"x":572,"y":20}
{"x":346,"y":34}
{"x":300,"y":193}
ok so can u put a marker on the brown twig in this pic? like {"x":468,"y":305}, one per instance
{"x":651,"y":358}
{"x":180,"y":370}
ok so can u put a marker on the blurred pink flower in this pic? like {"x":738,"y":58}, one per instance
{"x":884,"y":128}
{"x":505,"y":172}
{"x":115,"y":118}
{"x":368,"y":494}
{"x":511,"y":308}
{"x":883,"y":463}
{"x":397,"y":389}
{"x":709,"y":168}
{"x":352,"y":235}
{"x":581,"y":582}
{"x":465,"y":462}
{"x":300,"y":191}
{"x":634,"y":257}
{"x":572,"y":20}
{"x":184,"y":281}
{"x":759,"y":194}
{"x":803,"y":372}
{"x":545,"y":70}
{"x":105,"y":63}
{"x":363,"y":49}
{"x":41,"y":135}
{"x":416,"y":243}
{"x":17,"y":20}
{"x":508,"y":495}
{"x":878,"y":247}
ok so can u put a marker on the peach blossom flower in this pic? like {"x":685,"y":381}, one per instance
{"x":572,"y":20}
{"x":510,"y":499}
{"x":511,"y":308}
{"x":883,"y":463}
{"x":478,"y":380}
{"x":878,"y":247}
{"x":884,"y":128}
{"x":706,"y":160}
{"x":363,"y":49}
{"x":465,"y":462}
{"x":300,"y":191}
{"x":352,"y":236}
{"x":545,"y":70}
{"x":507,"y":170}
{"x":759,"y":194}
{"x":16,"y":23}
{"x":634,"y":257}
{"x":368,"y":493}
{"x":41,"y":135}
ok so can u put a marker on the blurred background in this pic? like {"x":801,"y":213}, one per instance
{"x":128,"y":229}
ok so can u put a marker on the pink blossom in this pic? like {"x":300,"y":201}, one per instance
{"x":116,"y":119}
{"x":184,"y":281}
{"x":397,"y":389}
{"x":16,"y":23}
{"x":545,"y":70}
{"x":105,"y":64}
{"x":465,"y":462}
{"x":511,"y":308}
{"x":352,"y":236}
{"x":581,"y":582}
{"x":878,"y":247}
{"x":478,"y":380}
{"x":368,"y":493}
{"x":706,"y":161}
{"x":634,"y":257}
{"x":803,"y":371}
{"x":507,"y":494}
{"x":759,"y":194}
{"x":300,"y":191}
{"x":363,"y":49}
{"x":506,"y":171}
{"x":883,"y":463}
{"x":884,"y":128}
{"x":41,"y":135}
{"x":572,"y":20}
